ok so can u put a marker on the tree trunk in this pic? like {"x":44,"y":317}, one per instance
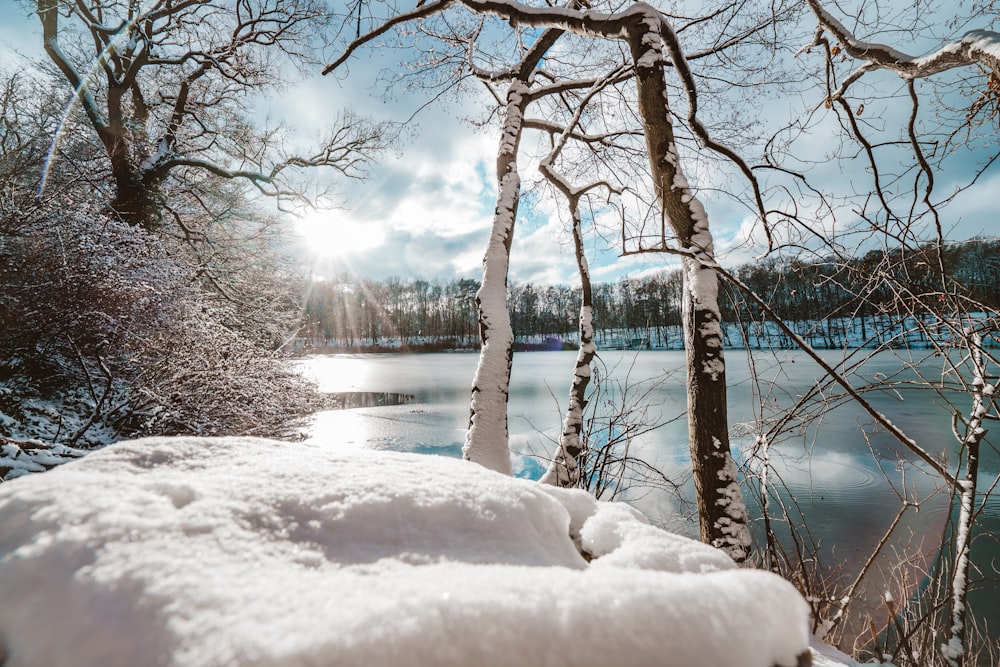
{"x":486,"y":439}
{"x":136,"y":201}
{"x":722,"y":514}
{"x":954,"y":650}
{"x":564,"y":470}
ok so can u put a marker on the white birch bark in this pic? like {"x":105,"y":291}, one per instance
{"x":564,"y":469}
{"x":486,"y":439}
{"x":982,"y":396}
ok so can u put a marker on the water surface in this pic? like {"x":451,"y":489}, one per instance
{"x":844,"y":474}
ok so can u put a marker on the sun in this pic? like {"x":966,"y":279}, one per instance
{"x":333,"y":235}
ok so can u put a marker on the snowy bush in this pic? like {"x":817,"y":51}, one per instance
{"x":110,"y":333}
{"x":114,"y":330}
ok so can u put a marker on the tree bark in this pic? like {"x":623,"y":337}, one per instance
{"x":954,"y":650}
{"x":722,"y":514}
{"x":486,"y":438}
{"x":136,"y":197}
{"x":564,"y":470}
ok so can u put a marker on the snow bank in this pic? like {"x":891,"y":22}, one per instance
{"x":238,"y":551}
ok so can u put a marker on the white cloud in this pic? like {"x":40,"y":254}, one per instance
{"x":432,"y":198}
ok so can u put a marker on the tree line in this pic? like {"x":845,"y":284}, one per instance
{"x":356,"y":312}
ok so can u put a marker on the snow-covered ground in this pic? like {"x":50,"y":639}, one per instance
{"x":23,"y":457}
{"x":239,"y":551}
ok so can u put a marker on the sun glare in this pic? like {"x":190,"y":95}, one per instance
{"x":331,"y":235}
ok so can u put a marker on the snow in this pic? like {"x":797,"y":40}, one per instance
{"x":976,"y":46}
{"x":986,"y":41}
{"x":733,"y":526}
{"x":513,"y":118}
{"x":486,"y":437}
{"x":651,"y":43}
{"x":19,"y":458}
{"x":188,"y":551}
{"x":161,"y":152}
{"x":843,"y":34}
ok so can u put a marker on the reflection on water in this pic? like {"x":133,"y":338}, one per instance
{"x":368,"y":399}
{"x":843,"y":473}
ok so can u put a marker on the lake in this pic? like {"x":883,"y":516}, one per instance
{"x":845,"y":475}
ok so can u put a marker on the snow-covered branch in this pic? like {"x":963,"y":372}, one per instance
{"x":564,"y":469}
{"x":975,"y":47}
{"x":982,"y":400}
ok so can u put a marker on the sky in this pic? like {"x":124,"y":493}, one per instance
{"x":426,"y":207}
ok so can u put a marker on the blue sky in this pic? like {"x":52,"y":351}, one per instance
{"x":425,"y":209}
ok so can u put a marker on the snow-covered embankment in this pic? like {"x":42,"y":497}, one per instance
{"x":186,"y":551}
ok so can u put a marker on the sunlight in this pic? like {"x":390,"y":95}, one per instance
{"x":331,"y":235}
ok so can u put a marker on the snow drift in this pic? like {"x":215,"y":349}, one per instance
{"x":240,"y":551}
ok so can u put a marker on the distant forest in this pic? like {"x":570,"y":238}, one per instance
{"x":350,"y":312}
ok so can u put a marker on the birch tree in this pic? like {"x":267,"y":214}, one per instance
{"x":486,"y":437}
{"x":564,"y":469}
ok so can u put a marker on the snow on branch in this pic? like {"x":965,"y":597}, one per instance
{"x":23,"y":457}
{"x":590,"y":23}
{"x":976,"y":46}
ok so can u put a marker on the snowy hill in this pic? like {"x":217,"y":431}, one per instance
{"x":238,"y":551}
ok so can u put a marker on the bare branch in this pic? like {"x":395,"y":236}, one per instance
{"x":423,"y":11}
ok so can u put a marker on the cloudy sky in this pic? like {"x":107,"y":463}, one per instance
{"x":426,"y":207}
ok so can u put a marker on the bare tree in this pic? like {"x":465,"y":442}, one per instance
{"x":164,"y":88}
{"x":121,"y":331}
{"x":486,"y":438}
{"x":564,"y":469}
